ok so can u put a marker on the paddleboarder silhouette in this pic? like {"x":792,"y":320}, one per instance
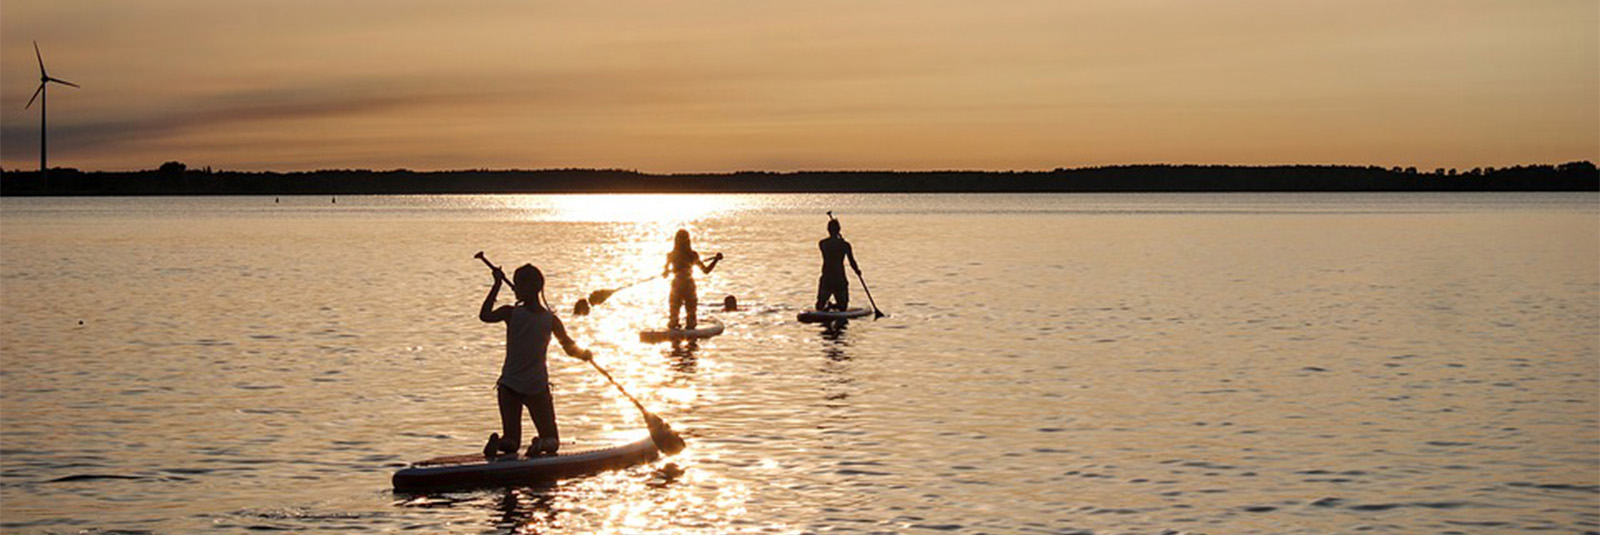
{"x":524,"y":379}
{"x":680,"y":263}
{"x":833,"y":283}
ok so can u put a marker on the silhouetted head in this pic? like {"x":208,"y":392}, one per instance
{"x":680,"y":242}
{"x":730,"y":304}
{"x":529,"y":282}
{"x":833,"y":227}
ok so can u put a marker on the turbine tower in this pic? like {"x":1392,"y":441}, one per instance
{"x":44,"y":80}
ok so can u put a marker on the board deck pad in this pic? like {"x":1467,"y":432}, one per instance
{"x":819,"y":316}
{"x":707,"y":328}
{"x":473,"y":470}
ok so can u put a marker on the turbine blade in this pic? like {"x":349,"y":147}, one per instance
{"x":35,"y":95}
{"x":60,"y":81}
{"x":40,"y":57}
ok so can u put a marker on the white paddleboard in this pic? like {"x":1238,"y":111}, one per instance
{"x":707,"y":328}
{"x":821,"y":316}
{"x":471,"y":471}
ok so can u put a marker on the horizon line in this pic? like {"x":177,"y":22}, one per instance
{"x":209,"y":169}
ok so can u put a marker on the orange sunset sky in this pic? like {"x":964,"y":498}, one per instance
{"x":722,"y":85}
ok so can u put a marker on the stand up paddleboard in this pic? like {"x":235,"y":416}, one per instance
{"x":824,"y":316}
{"x":708,"y":328}
{"x":473,"y":471}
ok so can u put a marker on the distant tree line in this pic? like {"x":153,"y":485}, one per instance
{"x":175,"y":178}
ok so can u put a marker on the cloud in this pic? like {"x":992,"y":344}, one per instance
{"x":224,"y":111}
{"x":721,"y":84}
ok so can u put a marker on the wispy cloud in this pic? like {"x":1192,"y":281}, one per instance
{"x":287,"y":107}
{"x":870,"y":83}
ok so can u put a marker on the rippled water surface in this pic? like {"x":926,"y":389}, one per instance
{"x":1051,"y":364}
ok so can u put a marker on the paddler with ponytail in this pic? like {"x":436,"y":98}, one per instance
{"x":524,"y":380}
{"x":680,"y":264}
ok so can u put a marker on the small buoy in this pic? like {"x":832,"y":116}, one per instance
{"x":80,"y":322}
{"x":730,"y":304}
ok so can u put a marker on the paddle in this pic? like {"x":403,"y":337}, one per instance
{"x":493,"y":267}
{"x":875,"y":312}
{"x":662,"y":434}
{"x":600,"y":296}
{"x":667,"y":440}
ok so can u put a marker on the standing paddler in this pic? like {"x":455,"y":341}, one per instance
{"x":680,"y":264}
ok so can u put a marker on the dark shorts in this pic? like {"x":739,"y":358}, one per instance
{"x":837,"y":288}
{"x":541,"y":409}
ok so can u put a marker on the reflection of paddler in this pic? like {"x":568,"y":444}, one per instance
{"x":833,"y":283}
{"x":680,"y":263}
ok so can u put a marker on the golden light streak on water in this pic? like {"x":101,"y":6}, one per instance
{"x":1411,"y":363}
{"x":637,"y":208}
{"x":637,"y":233}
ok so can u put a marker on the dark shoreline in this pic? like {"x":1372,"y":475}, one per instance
{"x":174,"y":179}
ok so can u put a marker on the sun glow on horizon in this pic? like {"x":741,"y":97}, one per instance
{"x":789,"y":85}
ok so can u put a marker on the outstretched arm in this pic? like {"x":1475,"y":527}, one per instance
{"x":707,"y":268}
{"x":490,"y":314}
{"x":567,"y":345}
{"x":850,"y":253}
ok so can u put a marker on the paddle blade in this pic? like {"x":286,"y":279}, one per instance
{"x":600,"y":296}
{"x":878,"y":314}
{"x":667,"y":440}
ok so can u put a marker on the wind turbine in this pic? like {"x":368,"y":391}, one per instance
{"x":44,"y":80}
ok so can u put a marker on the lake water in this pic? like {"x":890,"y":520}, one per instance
{"x":1253,"y":363}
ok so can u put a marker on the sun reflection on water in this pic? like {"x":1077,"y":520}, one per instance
{"x":622,"y":248}
{"x":684,"y":493}
{"x":663,"y":497}
{"x":636,"y":208}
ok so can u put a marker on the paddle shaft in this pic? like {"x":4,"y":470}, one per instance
{"x":634,"y":283}
{"x":493,"y":267}
{"x":606,"y":294}
{"x":876,"y":313}
{"x":620,"y":388}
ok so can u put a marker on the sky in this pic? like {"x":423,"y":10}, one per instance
{"x":723,"y":85}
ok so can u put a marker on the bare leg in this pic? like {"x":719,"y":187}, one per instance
{"x":542,"y":410}
{"x":510,"y":419}
{"x":692,"y":305}
{"x":675,"y":302}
